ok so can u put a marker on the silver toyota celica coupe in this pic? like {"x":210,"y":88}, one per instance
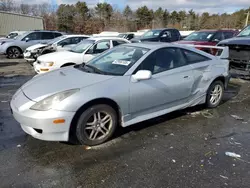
{"x":123,"y":86}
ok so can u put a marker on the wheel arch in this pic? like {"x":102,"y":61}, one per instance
{"x":220,"y":78}
{"x":20,"y":49}
{"x":93,"y":102}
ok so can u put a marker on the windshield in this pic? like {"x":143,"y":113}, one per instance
{"x":200,"y":36}
{"x":82,"y":46}
{"x":152,"y":33}
{"x":245,"y":32}
{"x":116,"y":61}
{"x":56,"y":39}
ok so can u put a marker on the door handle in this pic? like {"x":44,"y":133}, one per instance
{"x":186,"y":77}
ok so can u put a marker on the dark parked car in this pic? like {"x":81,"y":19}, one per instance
{"x":159,"y":35}
{"x":239,"y":52}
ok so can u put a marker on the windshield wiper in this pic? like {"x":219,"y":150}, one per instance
{"x":95,"y":70}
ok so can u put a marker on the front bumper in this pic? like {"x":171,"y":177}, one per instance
{"x":39,"y":124}
{"x":30,"y":57}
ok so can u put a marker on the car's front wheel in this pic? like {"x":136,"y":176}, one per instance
{"x":13,"y":53}
{"x":214,"y":94}
{"x":96,"y":125}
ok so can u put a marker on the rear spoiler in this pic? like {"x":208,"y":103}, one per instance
{"x":219,"y":51}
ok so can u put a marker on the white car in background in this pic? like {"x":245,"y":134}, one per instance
{"x":12,"y":35}
{"x":61,"y":43}
{"x":81,"y":53}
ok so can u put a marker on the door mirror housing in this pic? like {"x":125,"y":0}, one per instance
{"x":216,"y":40}
{"x":142,"y":75}
{"x":27,"y":39}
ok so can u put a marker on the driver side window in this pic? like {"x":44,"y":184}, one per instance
{"x":218,"y":36}
{"x":99,"y":47}
{"x":33,"y":36}
{"x":162,"y":60}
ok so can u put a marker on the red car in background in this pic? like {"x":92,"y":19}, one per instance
{"x":208,"y":37}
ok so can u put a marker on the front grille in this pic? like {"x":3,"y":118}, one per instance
{"x":239,"y":57}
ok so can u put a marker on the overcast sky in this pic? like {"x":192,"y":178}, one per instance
{"x":212,"y":6}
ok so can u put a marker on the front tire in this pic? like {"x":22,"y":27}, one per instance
{"x":96,"y":125}
{"x":214,"y":94}
{"x":13,"y":53}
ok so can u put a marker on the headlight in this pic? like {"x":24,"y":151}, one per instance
{"x":2,"y":42}
{"x":48,"y":64}
{"x":49,"y":102}
{"x":34,"y":51}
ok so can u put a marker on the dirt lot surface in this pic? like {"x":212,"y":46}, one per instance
{"x":182,"y":149}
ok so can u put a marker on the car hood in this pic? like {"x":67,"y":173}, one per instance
{"x":192,"y":42}
{"x":57,"y":56}
{"x":6,"y":40}
{"x":36,"y":46}
{"x":44,"y":85}
{"x":236,"y":40}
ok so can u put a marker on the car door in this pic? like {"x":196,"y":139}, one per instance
{"x":96,"y":49}
{"x":30,"y":39}
{"x":170,"y":85}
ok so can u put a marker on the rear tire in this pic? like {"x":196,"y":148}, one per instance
{"x":96,"y":125}
{"x":214,"y":94}
{"x":13,"y":53}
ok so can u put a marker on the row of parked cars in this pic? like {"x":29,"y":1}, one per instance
{"x":116,"y":82}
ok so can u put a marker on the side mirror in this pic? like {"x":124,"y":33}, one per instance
{"x":216,"y":40}
{"x":27,"y":39}
{"x":63,"y":44}
{"x":142,"y":75}
{"x":90,"y":51}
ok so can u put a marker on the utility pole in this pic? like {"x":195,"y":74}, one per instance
{"x":247,"y":18}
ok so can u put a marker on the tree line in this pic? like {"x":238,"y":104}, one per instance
{"x":79,"y":18}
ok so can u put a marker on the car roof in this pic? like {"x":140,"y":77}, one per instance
{"x":152,"y":45}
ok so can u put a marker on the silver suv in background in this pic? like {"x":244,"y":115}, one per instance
{"x":14,"y":48}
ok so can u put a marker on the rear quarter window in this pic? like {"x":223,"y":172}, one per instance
{"x":192,"y":57}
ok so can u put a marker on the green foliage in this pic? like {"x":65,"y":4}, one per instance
{"x":144,"y":16}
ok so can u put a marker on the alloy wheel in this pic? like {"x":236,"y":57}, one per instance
{"x":216,"y":94}
{"x":98,"y":125}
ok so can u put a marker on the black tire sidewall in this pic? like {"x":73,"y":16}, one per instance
{"x":8,"y":53}
{"x":80,"y":128}
{"x":208,"y":103}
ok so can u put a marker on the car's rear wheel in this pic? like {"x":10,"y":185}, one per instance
{"x":13,"y":53}
{"x":214,"y":94}
{"x":96,"y":125}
